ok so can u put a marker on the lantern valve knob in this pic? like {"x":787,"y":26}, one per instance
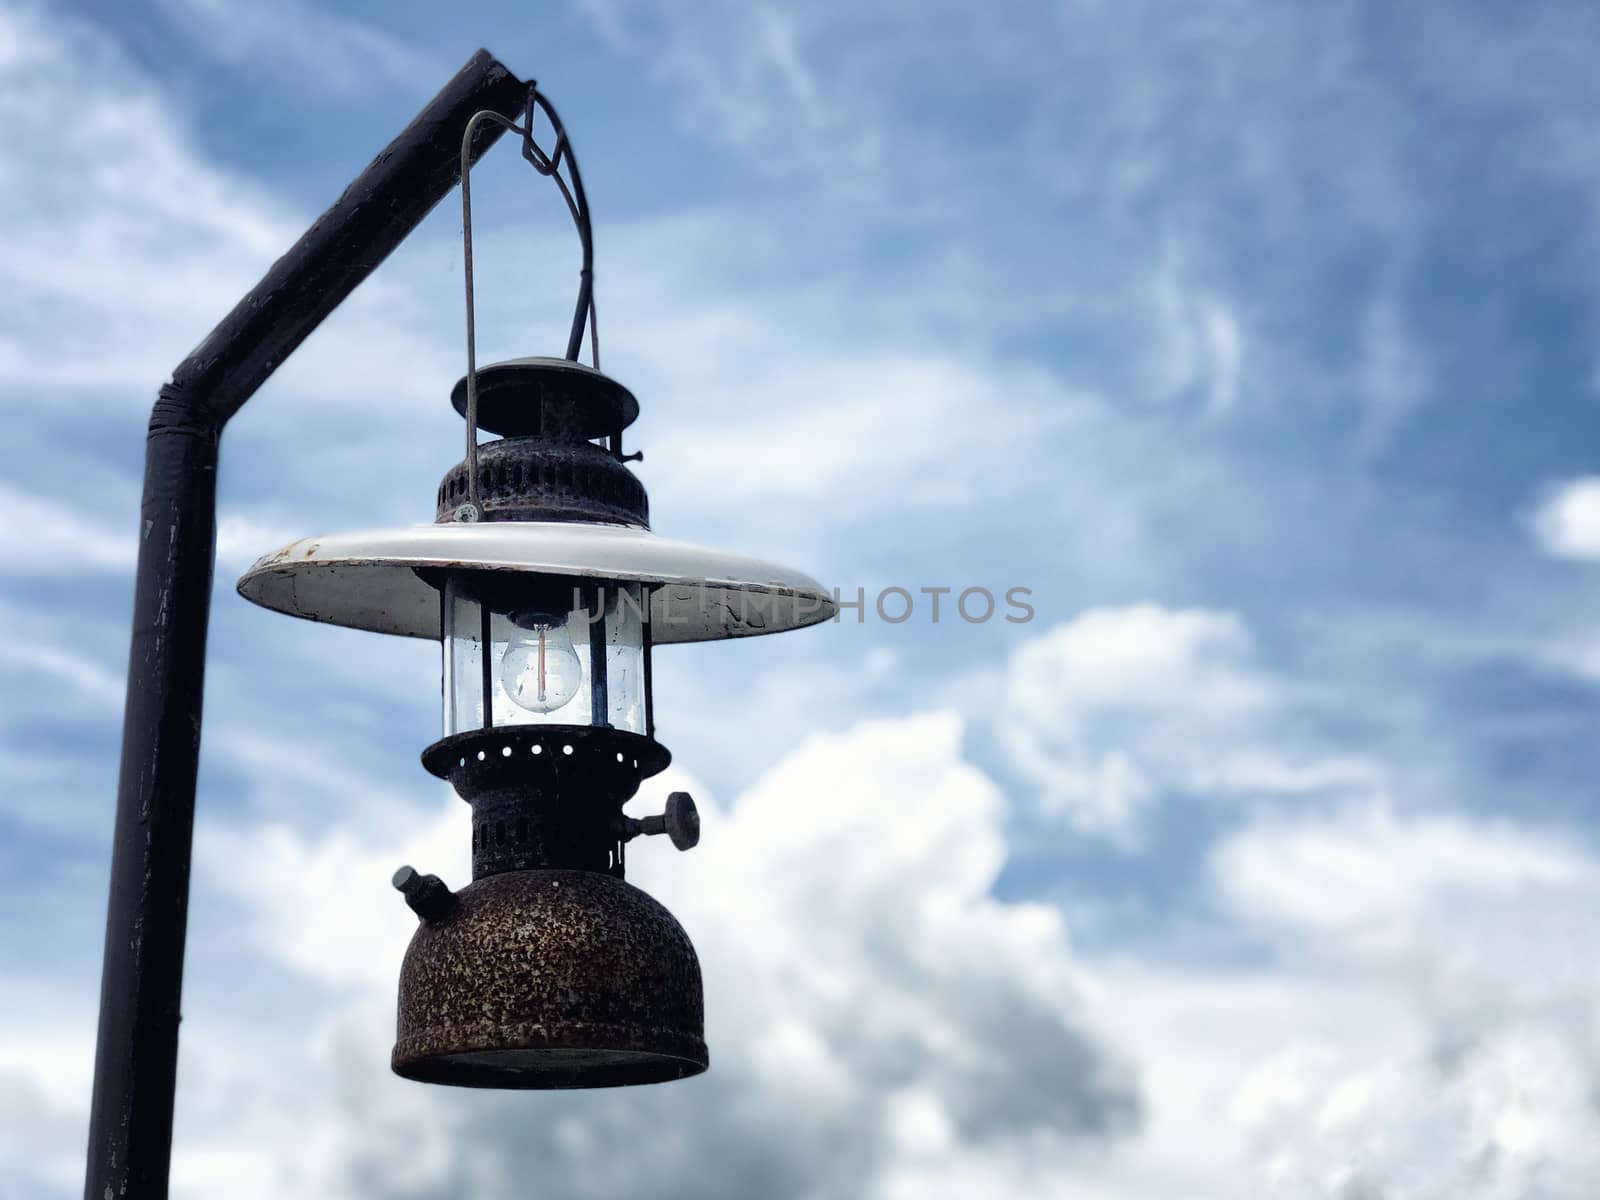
{"x":428,"y":895}
{"x":680,"y":822}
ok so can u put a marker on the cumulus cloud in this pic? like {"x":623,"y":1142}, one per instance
{"x":1112,"y":711}
{"x":45,"y":1069}
{"x":1414,"y":1017}
{"x":878,"y":1019}
{"x":1412,"y":1013}
{"x":1446,"y":1046}
{"x":1372,"y":876}
{"x":1566,"y":522}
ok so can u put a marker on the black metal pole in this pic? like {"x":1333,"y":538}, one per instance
{"x":136,"y":1054}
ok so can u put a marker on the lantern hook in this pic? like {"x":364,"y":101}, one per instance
{"x":584,"y":315}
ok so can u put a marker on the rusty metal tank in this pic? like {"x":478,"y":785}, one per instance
{"x":550,"y":979}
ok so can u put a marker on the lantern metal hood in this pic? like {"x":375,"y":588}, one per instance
{"x":549,"y":593}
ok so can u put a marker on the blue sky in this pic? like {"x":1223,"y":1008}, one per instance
{"x":1255,"y":340}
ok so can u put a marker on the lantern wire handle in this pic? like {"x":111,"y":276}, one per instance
{"x":547,"y":164}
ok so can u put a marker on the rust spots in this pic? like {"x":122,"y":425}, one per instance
{"x":551,"y":979}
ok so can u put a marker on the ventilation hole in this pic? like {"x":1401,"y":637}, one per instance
{"x":636,"y":764}
{"x":462,"y":763}
{"x":567,"y":749}
{"x":619,"y":756}
{"x":505,"y":751}
{"x":481,"y":756}
{"x":538,"y":749}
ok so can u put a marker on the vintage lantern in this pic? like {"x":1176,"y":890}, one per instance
{"x":549,"y":594}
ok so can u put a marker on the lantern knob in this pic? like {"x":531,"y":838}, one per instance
{"x":680,"y":822}
{"x":428,"y":895}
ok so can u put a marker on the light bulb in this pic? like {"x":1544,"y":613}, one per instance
{"x":541,"y":671}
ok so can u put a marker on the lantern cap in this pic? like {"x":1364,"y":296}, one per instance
{"x":385,"y":581}
{"x":532,"y":397}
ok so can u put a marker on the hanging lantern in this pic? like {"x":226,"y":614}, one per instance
{"x":549,"y":594}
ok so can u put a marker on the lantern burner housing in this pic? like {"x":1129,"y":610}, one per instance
{"x":547,"y":796}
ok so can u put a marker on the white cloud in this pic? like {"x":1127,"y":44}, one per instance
{"x":46,"y":1064}
{"x":1475,"y":937}
{"x":1143,"y":656}
{"x":1373,"y":876}
{"x":74,"y":666}
{"x":775,"y":396}
{"x":1414,"y":1012}
{"x":1415,"y":1016}
{"x":874,"y":1012}
{"x":765,"y":401}
{"x":321,"y":49}
{"x":329,"y":914}
{"x":1412,"y":1015}
{"x":923,"y":427}
{"x":1396,"y":377}
{"x":1566,"y":523}
{"x":126,"y":245}
{"x":1199,"y":341}
{"x":113,"y":204}
{"x":1111,"y":711}
{"x":241,"y":539}
{"x":747,"y":75}
{"x":49,"y":536}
